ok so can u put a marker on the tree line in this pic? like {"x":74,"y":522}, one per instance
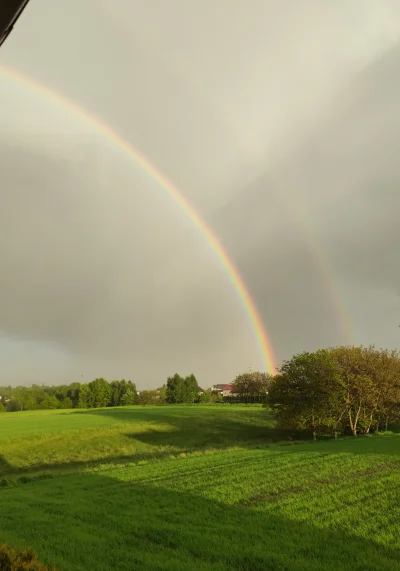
{"x":341,"y":390}
{"x":248,"y":387}
{"x":98,"y":393}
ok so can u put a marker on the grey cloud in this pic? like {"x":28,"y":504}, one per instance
{"x":102,"y":273}
{"x":338,"y":193}
{"x":262,"y":114}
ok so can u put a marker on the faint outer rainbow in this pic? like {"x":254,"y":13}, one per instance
{"x":233,"y":273}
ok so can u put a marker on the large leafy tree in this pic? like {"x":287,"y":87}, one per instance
{"x":371,"y":381}
{"x":306,"y":393}
{"x":338,"y":389}
{"x":24,"y":399}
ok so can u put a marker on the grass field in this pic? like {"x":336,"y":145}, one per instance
{"x":195,"y":488}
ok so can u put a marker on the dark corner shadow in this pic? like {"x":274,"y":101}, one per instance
{"x":128,"y":525}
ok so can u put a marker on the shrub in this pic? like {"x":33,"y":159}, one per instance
{"x":21,"y":560}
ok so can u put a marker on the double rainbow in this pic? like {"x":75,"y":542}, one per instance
{"x":107,"y":132}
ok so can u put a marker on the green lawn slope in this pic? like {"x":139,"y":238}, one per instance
{"x":195,"y":488}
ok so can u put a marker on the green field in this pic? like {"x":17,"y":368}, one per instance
{"x":195,"y":488}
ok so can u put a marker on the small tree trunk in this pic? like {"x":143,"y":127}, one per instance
{"x":335,"y":435}
{"x":370,"y":422}
{"x":314,"y":435}
{"x":353,"y":425}
{"x":351,"y":422}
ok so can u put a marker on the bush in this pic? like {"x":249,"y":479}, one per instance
{"x":21,"y":560}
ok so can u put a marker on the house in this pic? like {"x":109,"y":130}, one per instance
{"x":201,"y":391}
{"x":222,"y":389}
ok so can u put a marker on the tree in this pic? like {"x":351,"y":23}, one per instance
{"x":304,"y":393}
{"x":148,"y":397}
{"x":2,"y":407}
{"x":73,"y":393}
{"x":12,"y":406}
{"x":371,"y":383}
{"x":24,"y":399}
{"x":84,"y":396}
{"x":251,"y":385}
{"x":118,"y":391}
{"x":162,"y":392}
{"x":66,"y":403}
{"x":190,"y":389}
{"x":100,"y":393}
{"x":50,"y":402}
{"x":174,"y":392}
{"x":182,"y":390}
{"x":205,"y":397}
{"x":341,"y":388}
{"x":128,"y":398}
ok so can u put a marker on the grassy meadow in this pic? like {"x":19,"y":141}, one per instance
{"x":186,"y":488}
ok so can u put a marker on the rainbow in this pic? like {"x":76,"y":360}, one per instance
{"x":296,"y":209}
{"x":260,"y":334}
{"x":293,"y":207}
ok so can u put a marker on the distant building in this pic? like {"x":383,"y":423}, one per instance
{"x":222,"y":389}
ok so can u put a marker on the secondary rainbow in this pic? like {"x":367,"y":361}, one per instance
{"x":261,"y":336}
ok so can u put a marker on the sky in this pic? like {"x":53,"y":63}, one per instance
{"x":279,"y":122}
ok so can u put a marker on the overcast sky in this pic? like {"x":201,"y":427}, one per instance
{"x":279,"y":121}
